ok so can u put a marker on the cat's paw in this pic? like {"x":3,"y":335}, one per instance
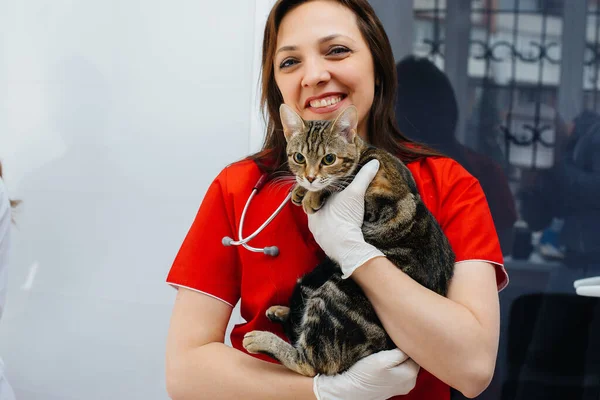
{"x":313,"y":201}
{"x":298,"y":194}
{"x":278,"y":313}
{"x":259,"y":342}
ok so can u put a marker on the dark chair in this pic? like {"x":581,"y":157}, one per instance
{"x":553,"y":349}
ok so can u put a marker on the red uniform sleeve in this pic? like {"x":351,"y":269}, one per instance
{"x":203,"y":264}
{"x":467,"y":221}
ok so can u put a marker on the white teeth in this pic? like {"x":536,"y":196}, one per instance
{"x":325,"y":102}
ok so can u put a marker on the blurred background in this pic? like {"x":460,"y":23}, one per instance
{"x":116,"y":115}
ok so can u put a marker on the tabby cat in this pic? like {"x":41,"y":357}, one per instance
{"x":330,"y":322}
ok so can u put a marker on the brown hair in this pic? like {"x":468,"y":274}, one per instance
{"x":382,"y":128}
{"x":13,"y":203}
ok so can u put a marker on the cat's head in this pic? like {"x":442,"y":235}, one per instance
{"x":320,"y":153}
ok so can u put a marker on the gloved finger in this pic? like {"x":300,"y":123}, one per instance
{"x":406,"y":369}
{"x":364,"y":177}
{"x":405,"y":374}
{"x":390,"y":358}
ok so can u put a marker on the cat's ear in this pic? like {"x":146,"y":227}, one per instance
{"x":291,"y":121}
{"x":346,"y":123}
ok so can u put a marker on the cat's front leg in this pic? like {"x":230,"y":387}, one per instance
{"x":278,"y":313}
{"x":313,"y":201}
{"x":272,"y":345}
{"x":298,"y":194}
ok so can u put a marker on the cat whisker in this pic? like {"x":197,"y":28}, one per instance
{"x":280,"y":186}
{"x":284,"y":172}
{"x":282,"y":182}
{"x":290,"y":177}
{"x":282,"y":175}
{"x":284,"y":179}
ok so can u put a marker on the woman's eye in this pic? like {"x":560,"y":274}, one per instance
{"x":328,"y":159}
{"x":288,"y":62}
{"x":338,"y":50}
{"x":299,"y":158}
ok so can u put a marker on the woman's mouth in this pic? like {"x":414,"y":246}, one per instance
{"x":327,"y":104}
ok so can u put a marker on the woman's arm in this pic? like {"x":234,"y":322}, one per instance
{"x":200,"y":366}
{"x":454,"y":338}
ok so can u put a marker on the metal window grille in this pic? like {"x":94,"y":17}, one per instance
{"x":514,"y":71}
{"x":592,"y":57}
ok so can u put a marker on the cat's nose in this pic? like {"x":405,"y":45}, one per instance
{"x":310,"y":179}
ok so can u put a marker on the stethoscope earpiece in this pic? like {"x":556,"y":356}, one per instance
{"x":269,"y":251}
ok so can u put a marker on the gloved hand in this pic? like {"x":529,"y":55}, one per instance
{"x":337,"y":226}
{"x":376,"y":377}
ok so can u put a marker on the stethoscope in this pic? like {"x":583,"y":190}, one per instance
{"x":271,"y":250}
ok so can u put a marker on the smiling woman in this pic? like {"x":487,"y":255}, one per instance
{"x":319,"y":58}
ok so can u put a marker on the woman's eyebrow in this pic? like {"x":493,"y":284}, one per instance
{"x":325,"y":39}
{"x":332,"y":37}
{"x":286,"y":48}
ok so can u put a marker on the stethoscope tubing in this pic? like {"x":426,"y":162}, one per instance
{"x":271,"y":250}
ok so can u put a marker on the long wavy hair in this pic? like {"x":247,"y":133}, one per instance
{"x":383,"y":131}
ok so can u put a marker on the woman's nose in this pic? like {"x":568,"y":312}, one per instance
{"x":315,"y":73}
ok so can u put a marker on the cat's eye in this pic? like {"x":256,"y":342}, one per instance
{"x":328,"y":159}
{"x":299,"y":158}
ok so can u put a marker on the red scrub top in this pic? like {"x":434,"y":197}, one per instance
{"x":203,"y":264}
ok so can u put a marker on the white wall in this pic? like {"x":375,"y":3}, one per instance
{"x":115,"y":115}
{"x":257,"y":123}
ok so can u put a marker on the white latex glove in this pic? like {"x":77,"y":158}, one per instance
{"x":337,"y":226}
{"x":376,"y":377}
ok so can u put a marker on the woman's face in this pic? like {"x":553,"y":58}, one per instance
{"x":322,"y":63}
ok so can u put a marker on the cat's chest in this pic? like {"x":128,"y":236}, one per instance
{"x":270,"y":280}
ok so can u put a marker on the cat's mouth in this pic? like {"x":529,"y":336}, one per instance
{"x":327,"y":184}
{"x":314,"y":186}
